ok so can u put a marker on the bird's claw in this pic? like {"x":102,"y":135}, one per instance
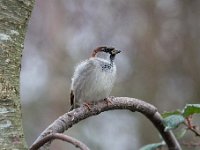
{"x":108,"y":101}
{"x":88,"y":105}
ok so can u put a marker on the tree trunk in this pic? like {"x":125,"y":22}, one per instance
{"x":14,"y":15}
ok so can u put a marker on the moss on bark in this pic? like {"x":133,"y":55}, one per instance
{"x":14,"y":15}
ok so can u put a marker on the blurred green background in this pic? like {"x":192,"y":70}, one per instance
{"x":160,"y":64}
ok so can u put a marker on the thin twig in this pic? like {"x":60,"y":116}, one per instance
{"x":190,"y":126}
{"x":59,"y":136}
{"x":197,"y":133}
{"x":69,"y":119}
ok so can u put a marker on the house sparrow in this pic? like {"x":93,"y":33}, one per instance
{"x":93,"y":78}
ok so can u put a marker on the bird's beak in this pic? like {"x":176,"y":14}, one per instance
{"x":118,"y":51}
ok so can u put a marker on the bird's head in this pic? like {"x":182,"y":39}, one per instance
{"x":110,"y":50}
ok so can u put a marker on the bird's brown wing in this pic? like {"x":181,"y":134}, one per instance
{"x":80,"y":78}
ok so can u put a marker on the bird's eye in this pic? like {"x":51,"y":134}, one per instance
{"x":103,"y":49}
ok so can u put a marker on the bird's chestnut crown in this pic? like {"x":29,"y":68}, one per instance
{"x":110,"y":50}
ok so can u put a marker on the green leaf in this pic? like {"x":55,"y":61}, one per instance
{"x":153,"y":146}
{"x":191,"y":109}
{"x":173,"y":121}
{"x":167,"y":113}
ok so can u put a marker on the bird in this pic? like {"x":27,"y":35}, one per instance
{"x":93,"y":78}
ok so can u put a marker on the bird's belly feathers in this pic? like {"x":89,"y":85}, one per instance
{"x":100,"y":85}
{"x":94,"y":84}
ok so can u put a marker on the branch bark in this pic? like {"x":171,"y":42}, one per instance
{"x":59,"y":136}
{"x":69,"y":119}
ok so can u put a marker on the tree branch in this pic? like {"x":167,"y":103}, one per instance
{"x":191,"y":127}
{"x":69,"y":119}
{"x":59,"y":136}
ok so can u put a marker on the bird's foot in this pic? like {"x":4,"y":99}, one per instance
{"x":88,"y":105}
{"x":108,"y":102}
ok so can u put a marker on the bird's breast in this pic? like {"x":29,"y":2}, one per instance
{"x":103,"y":81}
{"x":93,"y":79}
